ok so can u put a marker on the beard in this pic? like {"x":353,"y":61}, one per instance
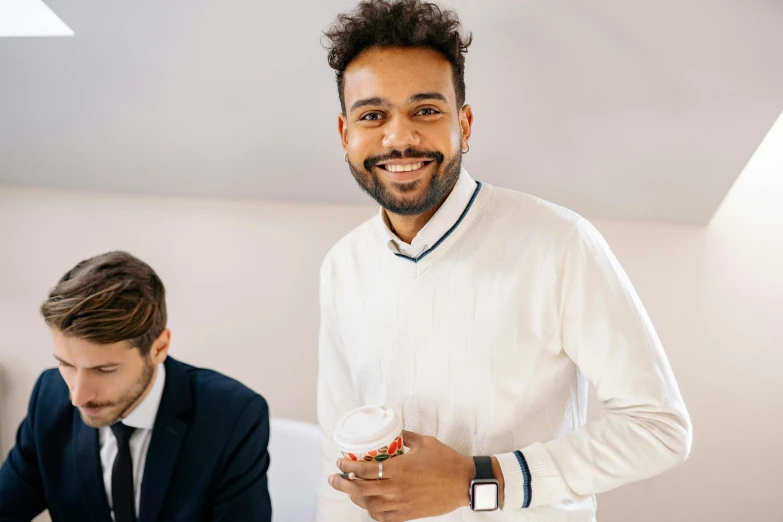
{"x":438,"y":186}
{"x":119,"y":408}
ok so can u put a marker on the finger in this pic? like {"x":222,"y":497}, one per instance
{"x":388,"y":516}
{"x":362,"y":488}
{"x":362,"y":494}
{"x":346,"y":486}
{"x":377,"y":504}
{"x":363,"y":470}
{"x":411,"y":439}
{"x":381,"y":505}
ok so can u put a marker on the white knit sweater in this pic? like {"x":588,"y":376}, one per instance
{"x":488,"y":341}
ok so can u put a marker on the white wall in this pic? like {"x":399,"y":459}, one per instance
{"x":716,"y":298}
{"x":241,"y":280}
{"x":242,"y":286}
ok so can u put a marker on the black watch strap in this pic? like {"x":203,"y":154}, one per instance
{"x":483,"y":467}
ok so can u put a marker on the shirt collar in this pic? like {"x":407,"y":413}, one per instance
{"x":143,"y":415}
{"x":440,"y":223}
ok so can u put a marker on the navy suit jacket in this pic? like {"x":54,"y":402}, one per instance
{"x":207,"y":458}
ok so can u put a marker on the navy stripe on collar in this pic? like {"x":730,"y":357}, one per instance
{"x":448,"y":233}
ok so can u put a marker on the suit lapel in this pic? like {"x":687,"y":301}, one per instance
{"x":171,"y":425}
{"x":87,"y":463}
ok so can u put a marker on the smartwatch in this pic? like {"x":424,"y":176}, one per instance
{"x":484,"y":486}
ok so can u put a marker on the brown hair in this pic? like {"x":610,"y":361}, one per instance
{"x":109,"y":298}
{"x":398,"y":23}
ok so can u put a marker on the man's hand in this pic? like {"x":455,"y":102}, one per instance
{"x":430,"y":480}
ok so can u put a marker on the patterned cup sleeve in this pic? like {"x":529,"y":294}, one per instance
{"x":393,"y":449}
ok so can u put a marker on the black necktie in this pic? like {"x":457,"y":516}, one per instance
{"x":123,"y":499}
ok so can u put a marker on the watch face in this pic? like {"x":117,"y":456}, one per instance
{"x":485,"y":497}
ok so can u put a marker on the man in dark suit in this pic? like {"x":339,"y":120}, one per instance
{"x":124,"y":433}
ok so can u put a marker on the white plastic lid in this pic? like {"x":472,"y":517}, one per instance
{"x":367,"y":428}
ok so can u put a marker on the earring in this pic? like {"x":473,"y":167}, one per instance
{"x":466,"y":150}
{"x":345,"y":157}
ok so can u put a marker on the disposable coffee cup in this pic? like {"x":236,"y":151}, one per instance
{"x":370,"y":433}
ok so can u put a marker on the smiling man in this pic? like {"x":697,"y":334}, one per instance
{"x":478,"y":313}
{"x":123,"y":432}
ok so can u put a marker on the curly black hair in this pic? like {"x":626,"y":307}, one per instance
{"x":398,"y":23}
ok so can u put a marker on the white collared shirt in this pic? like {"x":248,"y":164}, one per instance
{"x":440,"y":223}
{"x":143,"y":419}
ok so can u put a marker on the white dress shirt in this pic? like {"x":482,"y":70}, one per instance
{"x":143,"y":419}
{"x":440,"y":223}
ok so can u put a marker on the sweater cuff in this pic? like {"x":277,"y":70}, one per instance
{"x":548,"y":486}
{"x":516,"y":478}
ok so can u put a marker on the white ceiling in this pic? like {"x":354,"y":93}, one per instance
{"x":615,"y":108}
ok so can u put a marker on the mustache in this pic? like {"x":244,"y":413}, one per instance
{"x":96,"y":405}
{"x":92,"y":405}
{"x":406,"y":154}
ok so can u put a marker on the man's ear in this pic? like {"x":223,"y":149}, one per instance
{"x":466,"y":124}
{"x":160,"y":347}
{"x":342,"y":128}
